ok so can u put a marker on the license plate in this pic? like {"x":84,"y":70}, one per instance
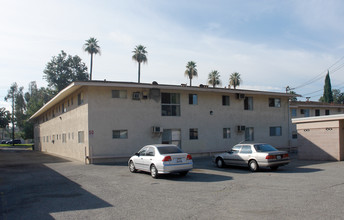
{"x":278,"y":157}
{"x":179,"y":160}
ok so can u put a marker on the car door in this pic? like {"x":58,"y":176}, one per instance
{"x":139,"y":159}
{"x":149,"y":158}
{"x":232,"y":157}
{"x":245,"y":154}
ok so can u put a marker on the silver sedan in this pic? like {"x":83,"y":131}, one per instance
{"x":254,"y":156}
{"x":161,"y":159}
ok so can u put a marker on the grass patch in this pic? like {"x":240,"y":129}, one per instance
{"x":27,"y":146}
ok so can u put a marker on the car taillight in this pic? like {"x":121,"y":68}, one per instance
{"x":188,"y":157}
{"x":167,"y":158}
{"x":269,"y":157}
{"x":285,"y":155}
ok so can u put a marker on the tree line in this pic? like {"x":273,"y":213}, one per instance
{"x":64,"y":69}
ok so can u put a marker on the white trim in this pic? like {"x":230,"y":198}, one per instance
{"x":318,"y":118}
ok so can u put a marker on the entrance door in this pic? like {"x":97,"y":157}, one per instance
{"x":171,"y":136}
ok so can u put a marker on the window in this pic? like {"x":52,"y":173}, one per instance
{"x":136,"y":95}
{"x":327,"y":112}
{"x":80,"y":99}
{"x":225,"y":100}
{"x":120,"y":134}
{"x":317,"y":112}
{"x":249,"y":134}
{"x":305,"y":112}
{"x":80,"y":137}
{"x":150,"y":152}
{"x":226,"y":133}
{"x":193,"y":99}
{"x":235,"y":149}
{"x":63,"y":108}
{"x":121,"y":94}
{"x":275,"y":131}
{"x":248,"y":103}
{"x":293,"y":112}
{"x":142,"y":152}
{"x":170,"y":104}
{"x":294,"y":135}
{"x":274,"y":102}
{"x":246,"y":149}
{"x":64,"y":138}
{"x":193,"y":133}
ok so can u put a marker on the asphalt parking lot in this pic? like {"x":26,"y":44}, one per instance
{"x":35,"y":185}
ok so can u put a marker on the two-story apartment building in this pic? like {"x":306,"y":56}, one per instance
{"x":99,"y":120}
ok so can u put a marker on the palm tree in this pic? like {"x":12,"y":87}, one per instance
{"x":91,"y":46}
{"x":191,"y":70}
{"x":235,"y":80}
{"x":140,"y":57}
{"x":214,"y":78}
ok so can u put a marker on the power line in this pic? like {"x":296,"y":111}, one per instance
{"x":322,"y":74}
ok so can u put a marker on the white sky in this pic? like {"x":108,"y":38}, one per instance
{"x":272,"y":43}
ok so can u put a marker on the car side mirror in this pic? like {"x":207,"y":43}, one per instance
{"x":137,"y":154}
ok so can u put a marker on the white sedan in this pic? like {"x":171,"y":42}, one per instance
{"x":161,"y":159}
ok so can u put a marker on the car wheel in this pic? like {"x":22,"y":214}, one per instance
{"x":183,"y":173}
{"x":132,"y":167}
{"x":253,"y":165}
{"x":219,"y":163}
{"x":274,"y":168}
{"x":154,"y":172}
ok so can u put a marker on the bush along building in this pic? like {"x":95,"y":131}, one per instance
{"x":101,"y":121}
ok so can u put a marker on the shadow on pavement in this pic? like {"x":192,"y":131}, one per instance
{"x":31,"y":190}
{"x":295,"y":166}
{"x":193,"y":176}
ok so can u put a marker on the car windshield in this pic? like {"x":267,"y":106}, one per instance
{"x":264,"y":148}
{"x":169,"y":150}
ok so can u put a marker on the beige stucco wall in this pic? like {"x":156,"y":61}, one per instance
{"x":138,"y":117}
{"x":319,"y":140}
{"x":333,"y":110}
{"x":50,"y":133}
{"x":100,"y":114}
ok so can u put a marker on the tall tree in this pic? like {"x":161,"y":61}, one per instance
{"x":91,"y":46}
{"x":328,"y":96}
{"x":214,"y":78}
{"x":235,"y":80}
{"x":140,"y":57}
{"x":191,"y":71}
{"x":338,"y":96}
{"x":63,"y":70}
{"x":12,"y":96}
{"x":5,"y":118}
